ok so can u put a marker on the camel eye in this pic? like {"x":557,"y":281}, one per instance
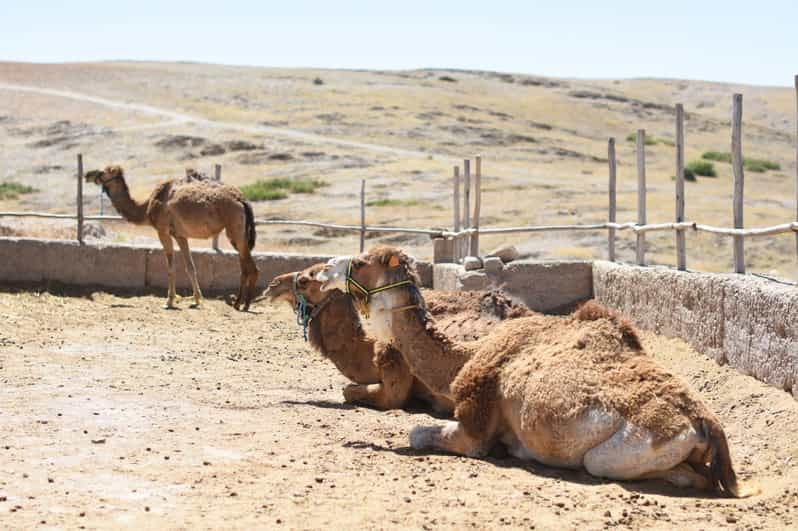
{"x":302,"y":281}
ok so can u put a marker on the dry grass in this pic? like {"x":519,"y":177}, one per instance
{"x":542,"y":148}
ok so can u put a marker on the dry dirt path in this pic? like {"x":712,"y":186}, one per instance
{"x":115,"y":413}
{"x":178,"y":117}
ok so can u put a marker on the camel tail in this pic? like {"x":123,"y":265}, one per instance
{"x":250,"y":224}
{"x":721,"y":469}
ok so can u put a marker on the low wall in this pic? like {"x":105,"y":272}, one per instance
{"x":26,"y":260}
{"x":748,"y":322}
{"x":551,"y":287}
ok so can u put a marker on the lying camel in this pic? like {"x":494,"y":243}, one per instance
{"x":571,"y":392}
{"x":382,"y":381}
{"x":183,"y":208}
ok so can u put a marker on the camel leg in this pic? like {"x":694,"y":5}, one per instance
{"x":682,"y":476}
{"x":394,"y":388}
{"x":452,"y":438}
{"x":191,"y":269}
{"x":168,"y":249}
{"x":249,"y":279}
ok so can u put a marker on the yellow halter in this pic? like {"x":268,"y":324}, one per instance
{"x":362,"y":305}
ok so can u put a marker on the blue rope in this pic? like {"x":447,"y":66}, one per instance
{"x":303,"y":315}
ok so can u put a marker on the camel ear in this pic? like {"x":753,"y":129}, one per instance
{"x":393,"y":261}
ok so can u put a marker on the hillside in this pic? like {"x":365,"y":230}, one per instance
{"x":543,"y":142}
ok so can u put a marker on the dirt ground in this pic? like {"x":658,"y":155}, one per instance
{"x":115,"y":413}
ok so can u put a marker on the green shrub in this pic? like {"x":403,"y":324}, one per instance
{"x":754,"y":165}
{"x":689,"y":175}
{"x":760,"y":165}
{"x":718,"y":156}
{"x":10,"y":190}
{"x":702,"y":167}
{"x":650,"y":140}
{"x":273,"y":189}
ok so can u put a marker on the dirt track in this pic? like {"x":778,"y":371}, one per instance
{"x":115,"y":413}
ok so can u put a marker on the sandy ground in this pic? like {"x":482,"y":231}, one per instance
{"x":543,"y":140}
{"x":115,"y":413}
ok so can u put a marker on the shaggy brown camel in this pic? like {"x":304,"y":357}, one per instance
{"x":192,"y":207}
{"x":382,"y":379}
{"x":571,"y":392}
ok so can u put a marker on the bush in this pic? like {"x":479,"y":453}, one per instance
{"x":12,"y":190}
{"x":318,"y":81}
{"x":754,"y":165}
{"x":650,"y":140}
{"x":718,"y":156}
{"x":273,"y":189}
{"x":702,"y":167}
{"x":760,"y":165}
{"x":689,"y":175}
{"x":448,"y":79}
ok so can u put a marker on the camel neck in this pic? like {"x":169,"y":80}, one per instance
{"x":433,"y":357}
{"x":128,"y":208}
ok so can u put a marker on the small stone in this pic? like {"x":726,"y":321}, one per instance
{"x":471,"y":263}
{"x":731,"y":519}
{"x":607,"y":514}
{"x":507,"y":253}
{"x":493,"y":264}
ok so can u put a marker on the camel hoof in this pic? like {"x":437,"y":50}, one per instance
{"x":353,"y":393}
{"x":196,"y":304}
{"x":422,"y":437}
{"x":169,"y":306}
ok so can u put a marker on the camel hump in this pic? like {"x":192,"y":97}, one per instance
{"x":720,"y":466}
{"x":593,"y":311}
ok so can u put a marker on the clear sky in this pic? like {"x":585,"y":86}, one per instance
{"x":741,"y":41}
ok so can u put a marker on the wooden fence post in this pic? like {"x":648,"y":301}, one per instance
{"x":456,"y":212}
{"x":681,"y":248}
{"x":796,"y":161}
{"x":466,"y":205}
{"x":477,"y":205}
{"x":641,"y":195}
{"x":613,"y":203}
{"x":362,"y":215}
{"x":739,"y":180}
{"x":217,"y":176}
{"x":80,"y":198}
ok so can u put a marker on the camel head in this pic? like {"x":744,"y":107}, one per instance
{"x":104,"y":177}
{"x":288,"y":286}
{"x":378,"y":274}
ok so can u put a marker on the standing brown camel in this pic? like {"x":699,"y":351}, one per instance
{"x":382,"y":378}
{"x":192,"y":207}
{"x":572,"y":392}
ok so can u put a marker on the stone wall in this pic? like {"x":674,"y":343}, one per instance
{"x":748,"y":322}
{"x":551,"y":287}
{"x":29,"y":260}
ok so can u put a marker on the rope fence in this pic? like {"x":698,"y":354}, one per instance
{"x":463,"y":240}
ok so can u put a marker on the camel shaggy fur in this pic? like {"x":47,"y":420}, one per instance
{"x":571,"y":392}
{"x":190,"y":207}
{"x":382,"y":378}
